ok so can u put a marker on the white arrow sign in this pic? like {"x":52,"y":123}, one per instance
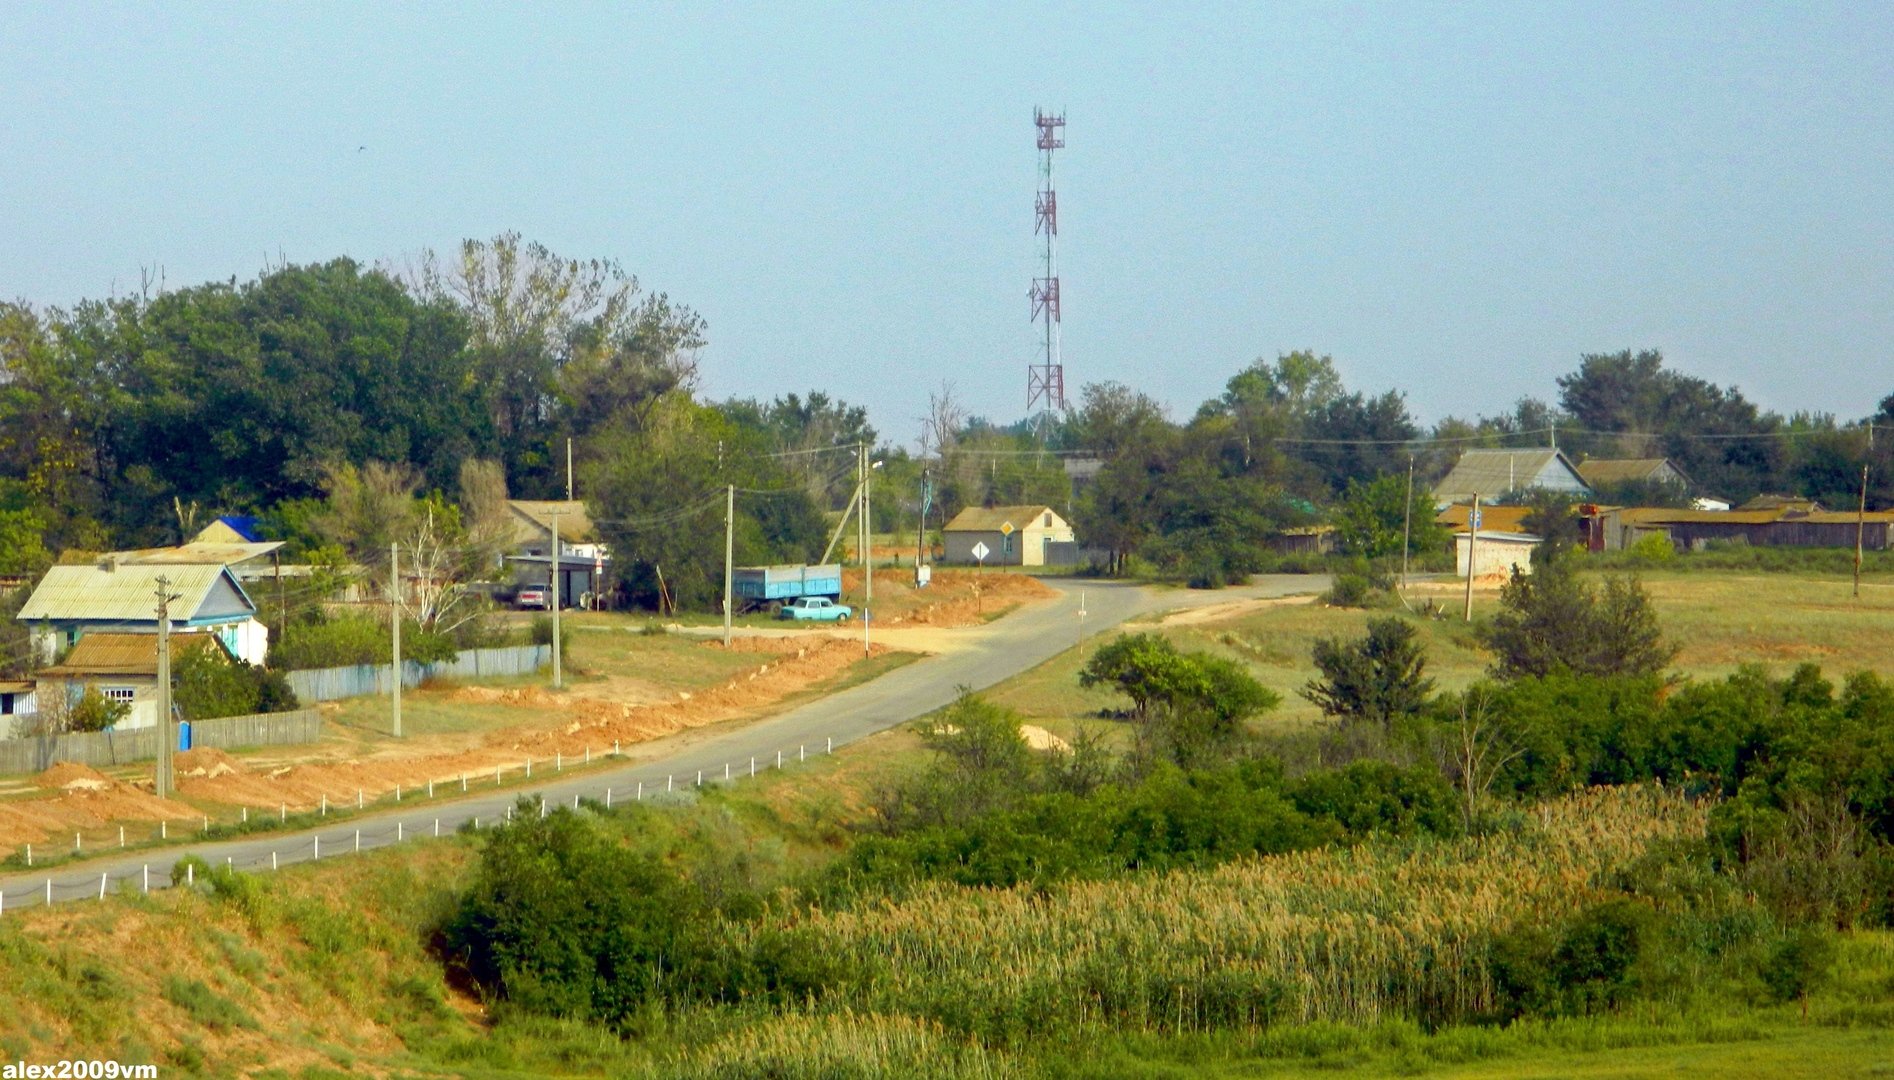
{"x":981,"y":551}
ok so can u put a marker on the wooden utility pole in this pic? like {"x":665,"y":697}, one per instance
{"x":1861,"y":524}
{"x":394,"y":623}
{"x":729,"y":553}
{"x":1473,"y":543}
{"x":868,"y":553}
{"x":1407,"y":520}
{"x":558,"y":669}
{"x":167,"y":735}
{"x":920,"y":529}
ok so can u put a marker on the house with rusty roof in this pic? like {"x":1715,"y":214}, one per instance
{"x":113,"y":595}
{"x":1012,"y":536}
{"x":1781,"y":525}
{"x":1495,"y":474}
{"x":123,"y":668}
{"x":1610,"y":472}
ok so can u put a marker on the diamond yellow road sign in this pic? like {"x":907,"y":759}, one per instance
{"x":1006,"y":528}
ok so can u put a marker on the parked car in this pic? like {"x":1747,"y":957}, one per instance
{"x":533,"y":596}
{"x":815,"y":609}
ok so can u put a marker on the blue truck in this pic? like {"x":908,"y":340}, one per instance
{"x":774,"y":585}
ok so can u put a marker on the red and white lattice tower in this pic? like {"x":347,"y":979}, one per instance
{"x":1045,"y":381}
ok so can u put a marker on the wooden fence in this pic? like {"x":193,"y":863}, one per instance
{"x":141,"y":744}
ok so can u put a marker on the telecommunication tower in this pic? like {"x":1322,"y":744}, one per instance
{"x":1045,"y":381}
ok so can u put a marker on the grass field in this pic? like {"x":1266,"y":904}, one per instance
{"x":1719,"y":621}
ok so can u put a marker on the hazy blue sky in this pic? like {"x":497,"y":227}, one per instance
{"x":1453,"y":200}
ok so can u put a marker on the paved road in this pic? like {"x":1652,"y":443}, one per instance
{"x":1004,"y":648}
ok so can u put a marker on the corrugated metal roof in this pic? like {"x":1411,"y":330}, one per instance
{"x":1621,"y":470}
{"x":1491,"y":473}
{"x":1503,"y":518}
{"x":990,"y":518}
{"x":207,"y":552}
{"x":96,"y":592}
{"x":533,"y":520}
{"x":126,"y":654}
{"x":1654,"y":515}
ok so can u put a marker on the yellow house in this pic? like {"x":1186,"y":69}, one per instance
{"x":1013,"y":535}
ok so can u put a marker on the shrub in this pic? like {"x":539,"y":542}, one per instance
{"x":1551,"y":622}
{"x":1375,"y":680}
{"x":1349,"y":590}
{"x":541,"y":633}
{"x":1653,"y":548}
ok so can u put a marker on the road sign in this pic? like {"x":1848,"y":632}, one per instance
{"x":1474,"y":523}
{"x":1006,"y":528}
{"x":981,"y":551}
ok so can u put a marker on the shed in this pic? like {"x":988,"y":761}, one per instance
{"x":1013,"y":535}
{"x":1492,"y":474}
{"x":1498,"y":553}
{"x":115,"y":595}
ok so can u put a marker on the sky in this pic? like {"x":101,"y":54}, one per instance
{"x":1456,"y":201}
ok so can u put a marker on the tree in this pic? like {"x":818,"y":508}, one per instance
{"x":1190,"y":706}
{"x":1371,"y":517}
{"x":658,"y":498}
{"x":560,"y":345}
{"x":1554,"y":519}
{"x":1551,"y":622}
{"x":1375,"y":680}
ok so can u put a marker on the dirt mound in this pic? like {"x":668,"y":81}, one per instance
{"x":72,"y":776}
{"x":88,"y":801}
{"x":968,"y":598}
{"x":578,"y":724}
{"x":796,"y":643}
{"x":1039,"y":738}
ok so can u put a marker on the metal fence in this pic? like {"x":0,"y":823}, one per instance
{"x":363,"y":680}
{"x":141,"y":744}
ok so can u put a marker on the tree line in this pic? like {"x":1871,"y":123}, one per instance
{"x":131,"y":421}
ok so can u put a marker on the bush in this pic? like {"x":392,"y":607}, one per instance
{"x":210,"y":684}
{"x":1375,"y":680}
{"x":1552,"y":622}
{"x":541,"y":632}
{"x":1653,"y":548}
{"x":1349,"y":590}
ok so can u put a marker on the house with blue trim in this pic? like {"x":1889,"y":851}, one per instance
{"x":117,"y":595}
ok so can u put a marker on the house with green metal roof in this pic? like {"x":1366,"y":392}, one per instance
{"x":114,"y":595}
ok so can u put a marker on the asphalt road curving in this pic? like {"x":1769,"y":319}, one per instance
{"x":1003,"y":648}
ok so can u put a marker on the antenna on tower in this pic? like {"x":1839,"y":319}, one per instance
{"x":1045,"y":381}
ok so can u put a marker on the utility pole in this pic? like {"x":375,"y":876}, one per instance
{"x":1473,"y":541}
{"x":729,"y":553}
{"x":394,"y":622}
{"x":167,"y":736}
{"x":1407,"y":520}
{"x":568,"y":470}
{"x":1861,"y":524}
{"x":868,"y":553}
{"x":558,"y":670}
{"x":920,"y":529}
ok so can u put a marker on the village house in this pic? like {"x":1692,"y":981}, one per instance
{"x":1494,"y":474}
{"x":1013,"y":536}
{"x":584,"y":562}
{"x":122,"y":668}
{"x":1606,"y":472}
{"x":113,"y":595}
